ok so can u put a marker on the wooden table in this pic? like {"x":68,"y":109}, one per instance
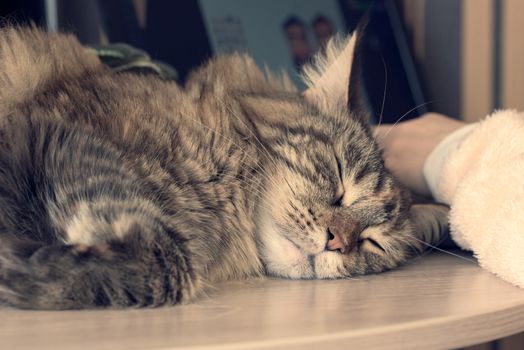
{"x":438,"y":301}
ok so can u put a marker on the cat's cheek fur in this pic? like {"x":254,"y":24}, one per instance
{"x":285,"y":259}
{"x":280,"y":256}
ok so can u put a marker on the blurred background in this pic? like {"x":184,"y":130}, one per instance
{"x":457,"y":57}
{"x":462,"y":58}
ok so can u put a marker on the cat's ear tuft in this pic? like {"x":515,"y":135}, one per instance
{"x":333,"y":78}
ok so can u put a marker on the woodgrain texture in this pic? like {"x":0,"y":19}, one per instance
{"x":438,"y":301}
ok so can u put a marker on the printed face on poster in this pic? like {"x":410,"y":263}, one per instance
{"x":281,"y":34}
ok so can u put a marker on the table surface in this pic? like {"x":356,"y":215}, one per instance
{"x":437,"y":301}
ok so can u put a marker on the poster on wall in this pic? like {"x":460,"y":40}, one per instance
{"x":282,"y":34}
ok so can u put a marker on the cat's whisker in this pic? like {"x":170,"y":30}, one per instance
{"x":445,"y":251}
{"x":378,"y":139}
{"x":405,"y":115}
{"x":291,"y":188}
{"x":384,"y":94}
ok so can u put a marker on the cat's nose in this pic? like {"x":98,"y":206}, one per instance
{"x":335,"y":242}
{"x":343,"y":234}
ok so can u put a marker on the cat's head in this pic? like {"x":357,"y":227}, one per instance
{"x":329,"y":207}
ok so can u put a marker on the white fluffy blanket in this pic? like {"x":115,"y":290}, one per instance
{"x":479,"y":171}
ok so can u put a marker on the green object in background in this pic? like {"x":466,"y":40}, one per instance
{"x":126,"y":58}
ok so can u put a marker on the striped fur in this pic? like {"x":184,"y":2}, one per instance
{"x":127,"y":191}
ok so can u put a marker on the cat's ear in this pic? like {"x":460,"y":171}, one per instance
{"x":430,"y":223}
{"x":333,"y":78}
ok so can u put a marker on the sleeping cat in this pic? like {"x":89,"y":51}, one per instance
{"x":118,"y":190}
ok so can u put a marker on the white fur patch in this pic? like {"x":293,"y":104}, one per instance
{"x":329,"y":265}
{"x":81,"y":228}
{"x":281,"y":256}
{"x":122,"y":225}
{"x":86,"y":228}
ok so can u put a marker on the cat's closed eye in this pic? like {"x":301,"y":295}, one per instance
{"x":372,"y":242}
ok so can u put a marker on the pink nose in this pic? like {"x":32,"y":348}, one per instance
{"x":335,"y":242}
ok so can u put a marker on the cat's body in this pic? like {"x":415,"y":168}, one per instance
{"x":123,"y":190}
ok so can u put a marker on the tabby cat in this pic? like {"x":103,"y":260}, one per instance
{"x":119,"y":190}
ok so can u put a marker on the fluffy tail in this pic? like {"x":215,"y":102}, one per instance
{"x":132,"y":272}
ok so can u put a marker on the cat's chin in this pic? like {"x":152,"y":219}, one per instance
{"x":284,"y":258}
{"x":289,"y":262}
{"x":329,"y":265}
